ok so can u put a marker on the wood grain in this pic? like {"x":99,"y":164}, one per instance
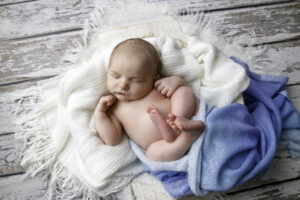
{"x":294,"y":95}
{"x":10,"y":2}
{"x":260,"y":22}
{"x":9,"y":99}
{"x":289,"y":190}
{"x":34,"y":58}
{"x":279,"y":59}
{"x":21,"y":20}
{"x":42,"y":17}
{"x":15,"y":187}
{"x":10,"y":155}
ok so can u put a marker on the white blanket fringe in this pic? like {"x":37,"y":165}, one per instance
{"x":40,"y":152}
{"x":51,"y":149}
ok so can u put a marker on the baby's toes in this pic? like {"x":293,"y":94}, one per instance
{"x":178,"y":125}
{"x":176,"y":128}
{"x":170,"y":122}
{"x":150,"y":108}
{"x":171,"y":116}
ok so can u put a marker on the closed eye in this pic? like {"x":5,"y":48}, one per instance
{"x":136,"y":80}
{"x":115,"y":75}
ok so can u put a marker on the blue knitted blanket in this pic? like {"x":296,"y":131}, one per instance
{"x":238,"y":143}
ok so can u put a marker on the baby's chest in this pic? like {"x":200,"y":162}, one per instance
{"x":132,"y":113}
{"x":133,"y":117}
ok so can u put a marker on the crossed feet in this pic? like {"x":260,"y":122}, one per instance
{"x":174,"y":125}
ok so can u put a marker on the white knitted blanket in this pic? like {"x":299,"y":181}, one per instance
{"x":62,"y":143}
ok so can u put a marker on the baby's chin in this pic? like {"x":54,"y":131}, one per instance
{"x":123,"y":97}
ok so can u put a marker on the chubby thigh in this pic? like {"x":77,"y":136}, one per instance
{"x":136,"y":121}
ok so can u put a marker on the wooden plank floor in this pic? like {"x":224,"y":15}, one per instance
{"x":34,"y":34}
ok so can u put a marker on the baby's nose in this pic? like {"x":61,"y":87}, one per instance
{"x":124,"y":85}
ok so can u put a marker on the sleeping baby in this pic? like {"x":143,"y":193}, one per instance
{"x":155,"y":112}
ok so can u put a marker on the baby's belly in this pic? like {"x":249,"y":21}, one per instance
{"x":144,"y":132}
{"x":139,"y":126}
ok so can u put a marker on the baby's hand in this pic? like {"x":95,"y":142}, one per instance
{"x":167,"y":86}
{"x":105,"y":103}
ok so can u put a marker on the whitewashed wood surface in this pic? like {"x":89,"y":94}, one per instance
{"x":34,"y":34}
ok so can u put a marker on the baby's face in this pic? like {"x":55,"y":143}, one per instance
{"x":129,"y":78}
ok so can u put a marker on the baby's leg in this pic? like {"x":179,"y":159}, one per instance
{"x":162,"y":151}
{"x":183,"y":102}
{"x":168,"y":134}
{"x":184,"y":105}
{"x":183,"y":124}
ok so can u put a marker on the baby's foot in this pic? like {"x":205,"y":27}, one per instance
{"x":157,"y":117}
{"x":180,"y":123}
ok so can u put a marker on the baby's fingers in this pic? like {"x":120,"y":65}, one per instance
{"x":160,"y":88}
{"x":112,"y":98}
{"x":105,"y":102}
{"x":157,"y":84}
{"x":110,"y":101}
{"x":169,"y":93}
{"x":164,"y":91}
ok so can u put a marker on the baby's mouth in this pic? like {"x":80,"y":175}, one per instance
{"x":120,"y":93}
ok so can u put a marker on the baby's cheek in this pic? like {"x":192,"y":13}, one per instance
{"x":139,"y":90}
{"x":110,"y":87}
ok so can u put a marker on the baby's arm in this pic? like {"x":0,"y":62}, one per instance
{"x":168,"y":85}
{"x":108,"y":126}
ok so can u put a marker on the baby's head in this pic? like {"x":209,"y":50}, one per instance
{"x":133,"y":69}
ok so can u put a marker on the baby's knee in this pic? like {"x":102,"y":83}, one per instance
{"x":155,"y":155}
{"x":183,"y":102}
